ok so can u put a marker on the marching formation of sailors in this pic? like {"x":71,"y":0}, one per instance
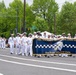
{"x":21,"y":44}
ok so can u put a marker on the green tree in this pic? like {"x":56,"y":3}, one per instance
{"x":15,"y":14}
{"x":11,"y":18}
{"x":30,"y":18}
{"x":45,"y":9}
{"x":3,"y":20}
{"x":17,"y":6}
{"x":40,"y":24}
{"x":2,"y":6}
{"x":67,"y":19}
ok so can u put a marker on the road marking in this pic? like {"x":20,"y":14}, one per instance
{"x":1,"y":74}
{"x":67,"y":64}
{"x":38,"y":66}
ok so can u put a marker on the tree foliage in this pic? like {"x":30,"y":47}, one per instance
{"x":67,"y":19}
{"x":42,"y":15}
{"x":46,"y":10}
{"x":40,"y":24}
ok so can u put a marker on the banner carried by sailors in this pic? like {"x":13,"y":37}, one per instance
{"x":41,"y":46}
{"x":39,"y":42}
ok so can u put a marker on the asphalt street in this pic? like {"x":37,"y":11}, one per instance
{"x":22,"y":65}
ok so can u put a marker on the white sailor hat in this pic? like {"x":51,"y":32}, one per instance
{"x":12,"y":34}
{"x":24,"y":33}
{"x":34,"y":32}
{"x":30,"y":34}
{"x":63,"y":33}
{"x":69,"y":34}
{"x":18,"y":33}
{"x":38,"y":32}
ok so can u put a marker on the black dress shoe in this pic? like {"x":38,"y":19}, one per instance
{"x":11,"y":53}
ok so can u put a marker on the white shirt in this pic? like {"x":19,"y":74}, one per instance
{"x":44,"y":36}
{"x":17,"y":39}
{"x":24,"y":40}
{"x":34,"y":36}
{"x":29,"y":40}
{"x":11,"y":40}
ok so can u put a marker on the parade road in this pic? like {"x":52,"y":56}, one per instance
{"x":22,"y":65}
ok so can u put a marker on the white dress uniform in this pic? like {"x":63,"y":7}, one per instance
{"x":30,"y":45}
{"x":75,"y":36}
{"x":11,"y":41}
{"x":20,"y":45}
{"x":44,"y":36}
{"x":34,"y":36}
{"x":0,"y":42}
{"x":17,"y":42}
{"x":38,"y":36}
{"x":3,"y":41}
{"x":24,"y":45}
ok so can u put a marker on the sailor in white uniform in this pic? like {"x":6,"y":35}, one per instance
{"x":30,"y":39}
{"x":45,"y":36}
{"x":17,"y":42}
{"x":0,"y":41}
{"x":11,"y":41}
{"x":39,"y":35}
{"x":20,"y":44}
{"x":3,"y":43}
{"x":24,"y":44}
{"x":34,"y":35}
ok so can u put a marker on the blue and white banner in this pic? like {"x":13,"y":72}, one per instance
{"x":42,"y":46}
